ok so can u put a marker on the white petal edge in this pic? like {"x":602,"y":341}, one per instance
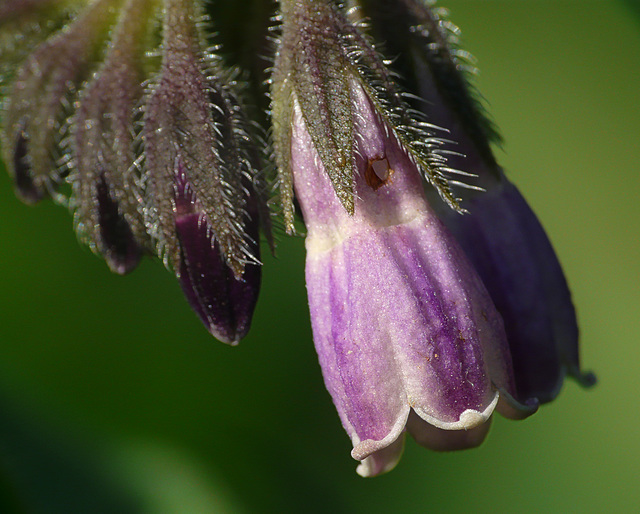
{"x":362,"y":449}
{"x":470,"y":418}
{"x":383,"y":460}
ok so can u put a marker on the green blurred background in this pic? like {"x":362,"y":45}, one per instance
{"x":113,"y":398}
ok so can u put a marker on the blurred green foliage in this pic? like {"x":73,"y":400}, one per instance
{"x":112,"y":382}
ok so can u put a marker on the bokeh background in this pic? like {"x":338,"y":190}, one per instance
{"x":113,"y":398}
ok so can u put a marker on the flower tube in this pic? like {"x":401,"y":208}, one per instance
{"x":407,"y":336}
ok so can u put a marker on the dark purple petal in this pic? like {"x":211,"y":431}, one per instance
{"x":558,"y":295}
{"x":513,"y":255}
{"x":117,"y":242}
{"x":224,"y":303}
{"x":22,"y":172}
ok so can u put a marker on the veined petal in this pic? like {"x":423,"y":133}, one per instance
{"x":401,"y":322}
{"x":501,"y":235}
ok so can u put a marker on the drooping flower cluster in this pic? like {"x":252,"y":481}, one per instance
{"x":435,"y":295}
{"x":158,"y":152}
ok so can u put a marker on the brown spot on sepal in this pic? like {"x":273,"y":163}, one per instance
{"x":378,"y":173}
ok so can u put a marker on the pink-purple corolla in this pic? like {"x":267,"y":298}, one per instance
{"x":407,"y":335}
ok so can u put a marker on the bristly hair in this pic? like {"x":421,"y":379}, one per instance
{"x":217,"y":158}
{"x":416,"y":29}
{"x":336,"y":53}
{"x":420,"y":140}
{"x":42,"y":97}
{"x":250,"y":135}
{"x":105,"y":134}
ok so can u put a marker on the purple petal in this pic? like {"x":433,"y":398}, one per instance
{"x":440,"y":440}
{"x":398,"y":332}
{"x":223,"y":302}
{"x":119,"y":246}
{"x":401,"y":322}
{"x":513,"y":255}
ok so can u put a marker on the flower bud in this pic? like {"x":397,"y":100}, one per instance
{"x":106,"y":182}
{"x":42,"y":93}
{"x":201,"y":202}
{"x":223,"y":302}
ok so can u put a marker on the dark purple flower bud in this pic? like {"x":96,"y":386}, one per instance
{"x":41,"y":95}
{"x":406,"y":334}
{"x":223,"y":302}
{"x":106,"y":182}
{"x":200,"y":180}
{"x":117,"y":243}
{"x":22,"y":171}
{"x":501,"y":235}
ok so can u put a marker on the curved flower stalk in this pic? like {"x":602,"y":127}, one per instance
{"x":407,"y":336}
{"x":501,"y":235}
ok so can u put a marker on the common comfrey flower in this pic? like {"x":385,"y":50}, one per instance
{"x":500,"y":234}
{"x":130,"y":106}
{"x":435,"y":295}
{"x":407,"y":335}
